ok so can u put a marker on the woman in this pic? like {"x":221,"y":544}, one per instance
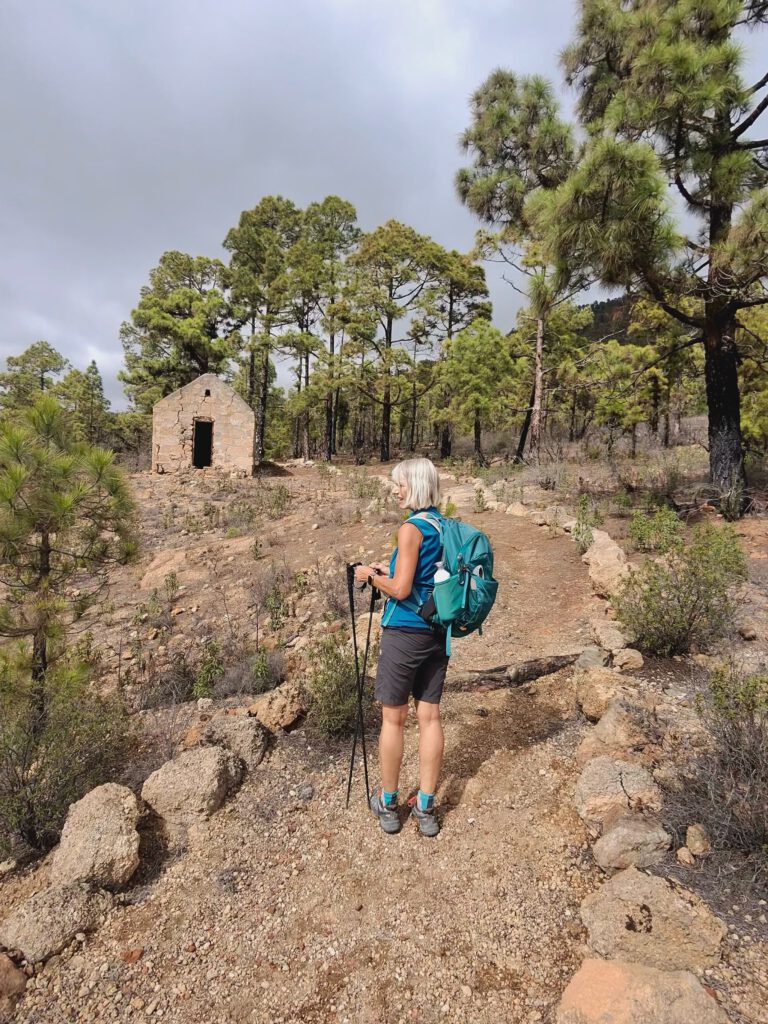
{"x":412,"y":658}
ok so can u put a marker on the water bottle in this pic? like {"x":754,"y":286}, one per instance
{"x":441,"y":573}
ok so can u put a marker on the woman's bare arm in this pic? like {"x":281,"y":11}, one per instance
{"x":400,"y":585}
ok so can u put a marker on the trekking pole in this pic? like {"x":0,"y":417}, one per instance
{"x":360,"y":682}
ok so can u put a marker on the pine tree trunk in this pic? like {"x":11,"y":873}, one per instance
{"x":478,"y":440}
{"x":445,"y":441}
{"x":329,"y":425}
{"x":655,"y":402}
{"x":305,"y":417}
{"x":726,"y":453}
{"x":261,"y":410}
{"x":538,"y":388}
{"x":526,"y":427}
{"x":337,"y":440}
{"x":386,"y":409}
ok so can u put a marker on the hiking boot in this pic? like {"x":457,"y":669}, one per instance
{"x":427,"y":820}
{"x":388,"y":817}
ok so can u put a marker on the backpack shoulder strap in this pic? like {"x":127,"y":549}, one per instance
{"x":428,"y":517}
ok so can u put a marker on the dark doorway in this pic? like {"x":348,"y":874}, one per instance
{"x":203,"y":444}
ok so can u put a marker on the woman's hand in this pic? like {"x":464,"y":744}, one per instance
{"x":381,"y":568}
{"x":362,"y":572}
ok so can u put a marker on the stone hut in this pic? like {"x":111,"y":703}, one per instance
{"x":205,"y":423}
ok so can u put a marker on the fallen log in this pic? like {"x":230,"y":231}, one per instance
{"x":510,"y":675}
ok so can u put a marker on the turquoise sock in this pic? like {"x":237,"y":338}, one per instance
{"x":426,"y":800}
{"x":387,"y":798}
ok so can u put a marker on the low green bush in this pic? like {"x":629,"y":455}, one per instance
{"x":332,"y":688}
{"x":658,"y":531}
{"x":58,"y":740}
{"x":684,"y":598}
{"x":588,"y":516}
{"x":209,"y":671}
{"x":726,"y":786}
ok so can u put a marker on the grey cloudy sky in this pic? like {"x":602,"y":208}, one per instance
{"x":130,"y":127}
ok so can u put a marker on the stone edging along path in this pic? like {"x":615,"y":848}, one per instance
{"x":650,"y":936}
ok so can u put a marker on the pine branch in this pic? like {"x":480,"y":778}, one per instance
{"x":753,"y":144}
{"x":759,"y":85}
{"x":749,"y":121}
{"x":687,"y":195}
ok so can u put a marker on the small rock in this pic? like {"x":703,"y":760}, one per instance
{"x":132,"y":956}
{"x":607,"y":564}
{"x":628,"y":660}
{"x":748,"y":631}
{"x":245,"y":737}
{"x":279,"y":709}
{"x":306,"y":792}
{"x":13,"y":982}
{"x":685,"y":857}
{"x":204,"y":703}
{"x":611,"y":992}
{"x":697,"y":840}
{"x":608,"y":635}
{"x":608,"y":788}
{"x":632,"y":840}
{"x":592,"y":657}
{"x":46,"y":922}
{"x":597,"y":687}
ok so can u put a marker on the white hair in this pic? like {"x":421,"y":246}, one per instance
{"x":421,"y":480}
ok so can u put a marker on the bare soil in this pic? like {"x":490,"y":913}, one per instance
{"x":288,"y":907}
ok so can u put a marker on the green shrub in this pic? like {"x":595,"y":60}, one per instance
{"x":659,"y":531}
{"x":274,"y":599}
{"x":210,"y":669}
{"x":362,"y":485}
{"x":273,"y":502}
{"x":727,"y":784}
{"x":587,"y":517}
{"x":685,"y":597}
{"x":247,"y":672}
{"x":480,"y":502}
{"x":332,"y":688}
{"x":449,"y":508}
{"x":52,"y":755}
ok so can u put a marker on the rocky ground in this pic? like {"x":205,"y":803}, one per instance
{"x":285,"y":906}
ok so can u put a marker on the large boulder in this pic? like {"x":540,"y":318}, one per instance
{"x":192,"y":786}
{"x":280,"y":708}
{"x":99,"y":843}
{"x":632,"y":840}
{"x":246,"y":737}
{"x":596,"y":687}
{"x":610,"y":992}
{"x":608,"y":788}
{"x":607,"y":564}
{"x":647,"y":920}
{"x":47,"y":921}
{"x":12,"y":985}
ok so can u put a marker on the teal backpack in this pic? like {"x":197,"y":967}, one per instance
{"x":460,"y":603}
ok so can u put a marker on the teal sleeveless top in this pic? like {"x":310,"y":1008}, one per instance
{"x":430,"y":553}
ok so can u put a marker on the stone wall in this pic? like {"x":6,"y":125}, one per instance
{"x":207,"y":398}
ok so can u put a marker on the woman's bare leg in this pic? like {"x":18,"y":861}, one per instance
{"x":391,"y":744}
{"x":431,"y":745}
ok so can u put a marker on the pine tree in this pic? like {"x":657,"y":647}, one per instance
{"x":478,"y":370}
{"x":392,"y":267}
{"x":259,"y":248}
{"x":30,"y":374}
{"x":663,"y":99}
{"x":181,"y":328}
{"x":81,"y":393}
{"x":520,"y":149}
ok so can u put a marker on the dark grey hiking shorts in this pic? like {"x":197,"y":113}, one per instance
{"x":410,"y":663}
